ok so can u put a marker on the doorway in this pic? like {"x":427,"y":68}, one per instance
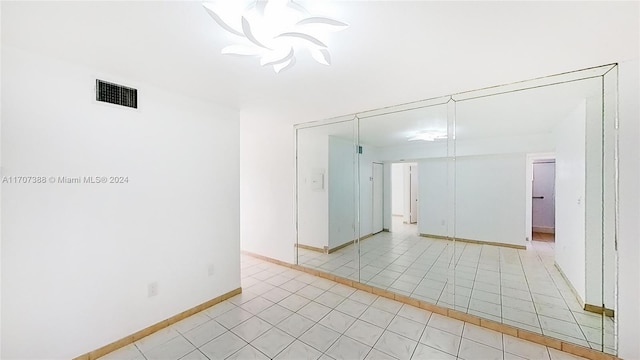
{"x":543,"y":200}
{"x":413,"y":194}
{"x":377,"y":188}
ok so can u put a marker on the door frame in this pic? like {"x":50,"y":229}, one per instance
{"x":531,"y":158}
{"x":373,"y":190}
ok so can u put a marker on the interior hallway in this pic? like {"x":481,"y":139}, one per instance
{"x":287,"y":314}
{"x":522,"y":288}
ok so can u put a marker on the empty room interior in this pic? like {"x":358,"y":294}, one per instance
{"x":319,"y":180}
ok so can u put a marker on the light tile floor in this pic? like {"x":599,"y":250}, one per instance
{"x":288,"y":314}
{"x":522,"y":288}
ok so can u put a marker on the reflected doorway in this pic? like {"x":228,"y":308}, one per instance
{"x":543,"y":200}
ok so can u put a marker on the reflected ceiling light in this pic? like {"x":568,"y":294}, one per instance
{"x":429,"y":135}
{"x":273,"y":31}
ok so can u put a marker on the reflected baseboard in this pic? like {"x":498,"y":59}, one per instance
{"x":599,"y":310}
{"x":327,"y":250}
{"x":312,"y":248}
{"x":455,"y":314}
{"x":473,"y":241}
{"x":543,"y":229}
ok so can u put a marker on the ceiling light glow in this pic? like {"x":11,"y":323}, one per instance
{"x":274,"y":31}
{"x":429,"y":135}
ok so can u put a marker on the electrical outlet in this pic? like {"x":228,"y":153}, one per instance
{"x":211,"y":270}
{"x":152,"y":289}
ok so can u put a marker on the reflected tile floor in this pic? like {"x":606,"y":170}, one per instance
{"x":287,"y":314}
{"x":522,"y":288}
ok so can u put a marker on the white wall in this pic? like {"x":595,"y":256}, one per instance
{"x":433,"y":194}
{"x":489,"y":198}
{"x":489,"y":190}
{"x":267,"y":186}
{"x":313,"y":202}
{"x":570,"y":245}
{"x":77,"y":258}
{"x":342,"y":200}
{"x":397,"y":190}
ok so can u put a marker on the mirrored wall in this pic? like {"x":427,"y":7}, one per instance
{"x":500,"y":203}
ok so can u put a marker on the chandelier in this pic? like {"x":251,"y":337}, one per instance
{"x":275,"y":31}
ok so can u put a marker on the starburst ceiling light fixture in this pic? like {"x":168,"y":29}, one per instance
{"x":275,"y":31}
{"x":429,"y":135}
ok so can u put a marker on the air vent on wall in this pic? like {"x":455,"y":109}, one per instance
{"x":116,"y":94}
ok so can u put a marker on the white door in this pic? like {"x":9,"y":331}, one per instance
{"x":543,"y":207}
{"x":377,"y":188}
{"x":413,"y":193}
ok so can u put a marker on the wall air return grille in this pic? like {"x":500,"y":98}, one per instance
{"x":116,"y":94}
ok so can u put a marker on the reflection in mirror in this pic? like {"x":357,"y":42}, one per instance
{"x":500,"y":203}
{"x":407,"y":146}
{"x":403,"y":151}
{"x":529,"y":212}
{"x":326,"y":198}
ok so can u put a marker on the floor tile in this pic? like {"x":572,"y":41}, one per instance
{"x":248,"y":353}
{"x":156,"y":339}
{"x":377,"y":317}
{"x":337,"y":321}
{"x":471,"y":350}
{"x":204,"y":333}
{"x":446,"y":323}
{"x":222,"y":346}
{"x":379,"y":355}
{"x":398,"y":346}
{"x":329,"y":299}
{"x":195,"y":355}
{"x":219,"y":309}
{"x":275,"y":314}
{"x":407,"y":328}
{"x":294,"y":302}
{"x":441,"y":340}
{"x":295,"y":325}
{"x":191,"y":322}
{"x":483,"y":335}
{"x":346,"y":348}
{"x":427,"y":352}
{"x":276,"y":294}
{"x":251,"y":329}
{"x":364,"y":332}
{"x":351,"y":307}
{"x":293,"y":285}
{"x":233,"y":317}
{"x":414,"y":313}
{"x":363,"y":297}
{"x":310,"y":292}
{"x":272,"y":342}
{"x":319,"y":337}
{"x":387,"y":305}
{"x":342,"y":290}
{"x":299,"y":351}
{"x":314,"y":311}
{"x":524,"y":348}
{"x":256,"y":305}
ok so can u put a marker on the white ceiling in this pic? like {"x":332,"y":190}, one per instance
{"x":393,"y":51}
